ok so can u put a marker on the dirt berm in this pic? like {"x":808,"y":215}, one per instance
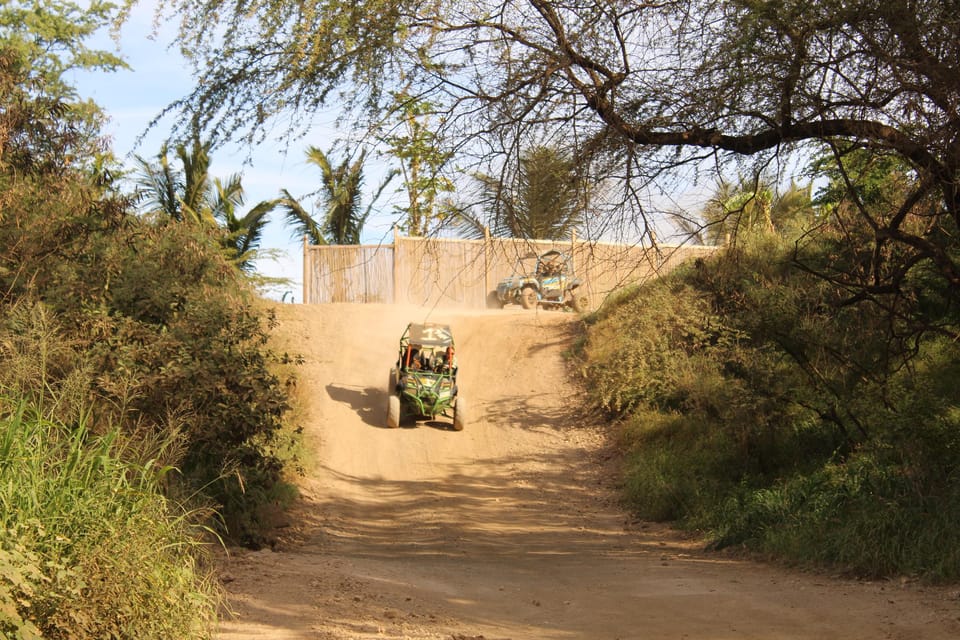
{"x":510,"y":528}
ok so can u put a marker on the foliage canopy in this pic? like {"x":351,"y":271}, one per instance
{"x":50,"y":37}
{"x":643,"y":89}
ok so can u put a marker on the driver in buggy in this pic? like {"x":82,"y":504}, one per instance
{"x":412,"y":358}
{"x":416,"y":358}
{"x":445,"y":362}
{"x":549,"y":267}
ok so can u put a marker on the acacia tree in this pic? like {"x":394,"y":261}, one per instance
{"x":648,"y":88}
{"x":51,"y":38}
{"x":415,"y":145}
{"x":43,"y":122}
{"x":54,"y":164}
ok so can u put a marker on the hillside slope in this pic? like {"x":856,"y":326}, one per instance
{"x":508,"y":529}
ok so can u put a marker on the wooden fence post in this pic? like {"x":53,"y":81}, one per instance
{"x":306,"y":270}
{"x":486,"y":262}
{"x":396,"y":261}
{"x":573,"y":250}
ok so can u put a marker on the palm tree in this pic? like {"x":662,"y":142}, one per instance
{"x":343,"y":220}
{"x":190,"y":195}
{"x":752,"y":205}
{"x":159,"y":187}
{"x":243,"y":233}
{"x":300,"y":219}
{"x":542,"y":199}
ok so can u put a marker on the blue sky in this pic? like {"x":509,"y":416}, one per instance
{"x":159,"y":76}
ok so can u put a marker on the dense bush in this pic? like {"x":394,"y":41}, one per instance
{"x":89,"y":547}
{"x":760,"y":405}
{"x":138,"y":355}
{"x":164,"y":339}
{"x":179,"y":333}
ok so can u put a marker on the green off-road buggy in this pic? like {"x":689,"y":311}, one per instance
{"x":423,"y":384}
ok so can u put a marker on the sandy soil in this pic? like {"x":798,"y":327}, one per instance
{"x":509,"y":529}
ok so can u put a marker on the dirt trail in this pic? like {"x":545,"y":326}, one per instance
{"x":508,"y":529}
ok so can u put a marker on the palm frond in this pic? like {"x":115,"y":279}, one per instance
{"x":465,"y":224}
{"x":299,"y":219}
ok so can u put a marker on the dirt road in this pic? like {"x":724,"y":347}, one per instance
{"x":510,"y":528}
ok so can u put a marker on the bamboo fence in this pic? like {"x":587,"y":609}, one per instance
{"x":444,"y":272}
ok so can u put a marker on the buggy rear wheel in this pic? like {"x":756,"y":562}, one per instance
{"x":493,"y":301}
{"x":459,"y":414}
{"x":393,"y":410}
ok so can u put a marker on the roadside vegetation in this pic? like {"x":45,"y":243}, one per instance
{"x":771,"y":408}
{"x":142,"y":412}
{"x":90,"y":546}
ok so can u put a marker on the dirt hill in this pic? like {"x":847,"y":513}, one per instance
{"x":510,"y":528}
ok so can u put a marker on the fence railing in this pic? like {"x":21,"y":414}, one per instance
{"x":448,"y":272}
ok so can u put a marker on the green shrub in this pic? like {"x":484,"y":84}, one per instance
{"x":90,"y":546}
{"x":172,"y":344}
{"x":668,"y":458}
{"x":668,"y":327}
{"x":184,"y":336}
{"x":866,"y":516}
{"x":128,"y":348}
{"x":761,"y":405}
{"x":145,"y":324}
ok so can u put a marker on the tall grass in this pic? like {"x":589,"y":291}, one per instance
{"x":89,"y":546}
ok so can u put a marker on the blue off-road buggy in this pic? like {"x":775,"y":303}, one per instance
{"x":546,"y":280}
{"x":423,"y":384}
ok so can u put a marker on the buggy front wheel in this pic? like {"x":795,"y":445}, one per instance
{"x":393,"y":411}
{"x":459,"y":414}
{"x":528,"y":298}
